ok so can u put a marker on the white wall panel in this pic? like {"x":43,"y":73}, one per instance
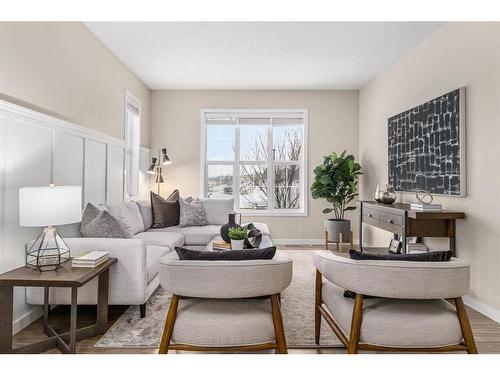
{"x":115,"y":170}
{"x":68,"y":159}
{"x":27,"y":163}
{"x":95,"y":172}
{"x":34,"y":147}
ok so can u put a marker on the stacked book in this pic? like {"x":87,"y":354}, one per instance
{"x":91,"y":259}
{"x":433,"y":207}
{"x":221,"y":245}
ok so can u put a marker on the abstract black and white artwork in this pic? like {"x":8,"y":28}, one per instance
{"x":427,"y":146}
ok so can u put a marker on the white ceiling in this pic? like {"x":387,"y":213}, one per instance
{"x":259,"y":55}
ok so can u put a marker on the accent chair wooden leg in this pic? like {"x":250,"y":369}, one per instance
{"x":326,"y":240}
{"x":357,"y":316}
{"x":317,"y":304}
{"x":465,"y":325}
{"x":169,"y":325}
{"x":142,"y":310}
{"x":279,"y":331}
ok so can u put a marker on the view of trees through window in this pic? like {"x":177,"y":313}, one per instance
{"x":261,"y":158}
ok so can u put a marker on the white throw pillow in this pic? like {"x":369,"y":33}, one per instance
{"x":128,"y":213}
{"x":217,"y":210}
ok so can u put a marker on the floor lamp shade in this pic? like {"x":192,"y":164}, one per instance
{"x":48,"y":206}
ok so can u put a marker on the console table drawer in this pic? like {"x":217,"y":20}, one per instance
{"x":394,"y":228}
{"x":370,"y":220}
{"x":371,"y":213}
{"x":391,"y":218}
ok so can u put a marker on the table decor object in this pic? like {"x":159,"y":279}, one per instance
{"x":254,"y":236}
{"x":238,"y":235}
{"x":224,"y":230}
{"x":48,"y":206}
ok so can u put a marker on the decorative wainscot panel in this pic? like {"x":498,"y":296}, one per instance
{"x":426,"y":146}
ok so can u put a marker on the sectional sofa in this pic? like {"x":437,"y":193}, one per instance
{"x":136,"y":275}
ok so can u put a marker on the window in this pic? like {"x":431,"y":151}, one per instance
{"x":258,"y":157}
{"x":132,"y":144}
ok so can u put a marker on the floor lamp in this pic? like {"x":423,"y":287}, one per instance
{"x":156,"y":166}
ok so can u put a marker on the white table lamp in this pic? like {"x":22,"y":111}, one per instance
{"x":47,"y":206}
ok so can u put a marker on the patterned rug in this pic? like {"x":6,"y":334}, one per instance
{"x":297,"y":309}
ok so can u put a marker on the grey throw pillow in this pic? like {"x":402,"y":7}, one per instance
{"x":106,"y":225}
{"x":192,"y":214}
{"x":89,"y":214}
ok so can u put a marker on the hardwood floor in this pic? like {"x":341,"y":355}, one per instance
{"x":486,"y":331}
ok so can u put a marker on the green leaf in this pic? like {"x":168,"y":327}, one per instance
{"x":327,"y":210}
{"x":351,"y":208}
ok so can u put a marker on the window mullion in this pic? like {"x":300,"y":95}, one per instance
{"x":270,"y":170}
{"x":236,"y":166}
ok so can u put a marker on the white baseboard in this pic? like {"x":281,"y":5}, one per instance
{"x":301,"y":241}
{"x":25,"y":320}
{"x":486,"y":310}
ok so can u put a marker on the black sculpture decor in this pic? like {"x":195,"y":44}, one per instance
{"x":224,"y":230}
{"x":254,"y":236}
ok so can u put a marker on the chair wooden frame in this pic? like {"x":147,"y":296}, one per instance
{"x":279,"y":332}
{"x":352,"y":343}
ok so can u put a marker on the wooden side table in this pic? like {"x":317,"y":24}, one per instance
{"x":68,"y":277}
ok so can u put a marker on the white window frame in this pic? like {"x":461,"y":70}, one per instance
{"x":281,"y":113}
{"x":132,"y":151}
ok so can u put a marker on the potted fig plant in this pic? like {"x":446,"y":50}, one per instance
{"x":238,"y":235}
{"x":336,"y":180}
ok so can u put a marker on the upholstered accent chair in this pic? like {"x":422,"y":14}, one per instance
{"x":398,"y":305}
{"x":224,"y":305}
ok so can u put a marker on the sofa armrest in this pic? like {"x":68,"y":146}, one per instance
{"x":129,"y":275}
{"x":130,"y":271}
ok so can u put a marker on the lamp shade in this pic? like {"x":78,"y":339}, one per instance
{"x":47,"y":206}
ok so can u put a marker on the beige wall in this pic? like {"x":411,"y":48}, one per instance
{"x":175,"y":123}
{"x":458,"y":54}
{"x":64,"y":69}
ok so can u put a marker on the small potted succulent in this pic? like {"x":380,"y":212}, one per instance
{"x":238,"y":236}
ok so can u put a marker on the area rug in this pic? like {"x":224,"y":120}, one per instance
{"x":297,"y":309}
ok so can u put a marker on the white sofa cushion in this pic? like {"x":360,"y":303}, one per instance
{"x":396,"y":322}
{"x":154,"y":253}
{"x":157,"y":238}
{"x":196,"y":235}
{"x":128,"y":213}
{"x":217,"y":323}
{"x":217,"y":210}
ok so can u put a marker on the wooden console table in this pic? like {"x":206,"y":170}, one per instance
{"x":66,"y":276}
{"x":399,"y":219}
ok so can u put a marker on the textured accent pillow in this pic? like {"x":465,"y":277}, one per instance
{"x":217,"y":209}
{"x":106,"y":225}
{"x":165,"y":211}
{"x":432,"y":256}
{"x":128,"y":213}
{"x":192,"y":213}
{"x":89,"y":214}
{"x":186,"y":254}
{"x":146,"y":212}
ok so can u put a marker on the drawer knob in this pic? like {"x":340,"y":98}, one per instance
{"x":370,"y":215}
{"x":390,"y":221}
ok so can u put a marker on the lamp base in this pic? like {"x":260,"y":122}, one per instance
{"x":49,"y":251}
